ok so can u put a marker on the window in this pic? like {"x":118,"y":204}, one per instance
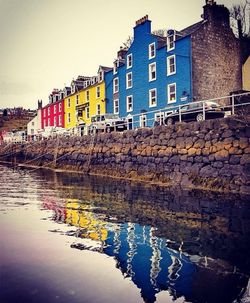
{"x":68,"y":103}
{"x":152,"y":97}
{"x":49,"y":122}
{"x":48,"y":111}
{"x":170,"y":42}
{"x":54,"y":121}
{"x":116,"y":106}
{"x":171,"y":66}
{"x":87,"y":112}
{"x":98,"y":109}
{"x":100,"y":76}
{"x":60,"y":107}
{"x":130,"y":123}
{"x":54,"y":109}
{"x":129,"y":80}
{"x":87,"y":95}
{"x":129,"y":61}
{"x":143,"y":120}
{"x":98,"y":92}
{"x":60,"y":120}
{"x":116,"y":85}
{"x":152,"y":71}
{"x":115,"y":68}
{"x":129,"y":103}
{"x":159,"y":117}
{"x":68,"y":117}
{"x":32,"y":123}
{"x":77,"y":99}
{"x":172,"y":93}
{"x":151,"y":50}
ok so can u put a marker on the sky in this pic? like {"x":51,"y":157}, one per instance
{"x":44,"y":44}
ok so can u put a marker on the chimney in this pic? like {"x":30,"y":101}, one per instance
{"x":216,"y":14}
{"x":40,"y":104}
{"x":142,"y":27}
{"x":121,"y":54}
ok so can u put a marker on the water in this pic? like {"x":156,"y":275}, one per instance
{"x":70,"y":238}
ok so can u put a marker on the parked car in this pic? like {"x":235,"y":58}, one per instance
{"x":194,"y":112}
{"x":107,"y":123}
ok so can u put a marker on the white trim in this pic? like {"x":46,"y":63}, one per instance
{"x":129,"y":61}
{"x":116,"y":106}
{"x":169,"y":86}
{"x":115,"y":85}
{"x":151,"y":104}
{"x":172,"y":42}
{"x":169,"y":72}
{"x":151,"y":49}
{"x":130,"y":117}
{"x":129,"y":81}
{"x":143,"y":120}
{"x":98,"y":91}
{"x":151,"y":71}
{"x":127,"y":103}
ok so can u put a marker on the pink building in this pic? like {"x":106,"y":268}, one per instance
{"x":53,"y":113}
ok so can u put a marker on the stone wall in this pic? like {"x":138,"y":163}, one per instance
{"x":214,"y":155}
{"x":216,"y":56}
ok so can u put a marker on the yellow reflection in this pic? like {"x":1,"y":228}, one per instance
{"x":80,"y":215}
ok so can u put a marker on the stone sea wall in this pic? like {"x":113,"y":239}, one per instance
{"x":214,"y":154}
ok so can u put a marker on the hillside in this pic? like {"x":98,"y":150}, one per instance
{"x":14,"y":123}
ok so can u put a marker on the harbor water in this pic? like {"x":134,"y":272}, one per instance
{"x":73,"y":238}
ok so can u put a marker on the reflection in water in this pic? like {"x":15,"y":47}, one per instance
{"x":193,"y":245}
{"x":161,"y":239}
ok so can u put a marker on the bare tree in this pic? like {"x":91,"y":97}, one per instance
{"x":128,"y":42}
{"x":160,"y":32}
{"x":240,"y":14}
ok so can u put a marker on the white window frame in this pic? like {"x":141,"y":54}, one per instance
{"x":151,"y":71}
{"x":129,"y":82}
{"x":68,"y":103}
{"x":132,"y":122}
{"x":54,"y":121}
{"x":49,"y":122}
{"x":48,"y":111}
{"x":152,"y":99}
{"x":60,"y":120}
{"x":143,"y":120}
{"x":60,"y":107}
{"x":116,"y":106}
{"x":169,"y":66}
{"x":87,"y":95}
{"x":100,"y":76}
{"x":160,"y":116}
{"x":170,"y":42}
{"x":169,"y":93}
{"x":129,"y":105}
{"x":98,"y":92}
{"x":69,"y":117}
{"x":87,"y":112}
{"x":54,"y":109}
{"x":116,"y":85}
{"x":151,"y":50}
{"x":115,"y":68}
{"x":98,"y":109}
{"x":129,"y":61}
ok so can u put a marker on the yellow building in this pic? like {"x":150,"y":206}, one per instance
{"x":92,"y":99}
{"x":246,"y":75}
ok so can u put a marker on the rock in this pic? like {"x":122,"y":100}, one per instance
{"x":222,"y":155}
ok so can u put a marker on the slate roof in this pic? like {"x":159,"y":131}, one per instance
{"x":190,"y":29}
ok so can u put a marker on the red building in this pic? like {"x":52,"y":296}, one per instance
{"x":53,"y":113}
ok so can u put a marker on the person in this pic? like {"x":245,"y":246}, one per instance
{"x":157,"y":122}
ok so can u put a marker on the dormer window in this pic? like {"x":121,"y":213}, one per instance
{"x":129,"y":61}
{"x":170,"y":42}
{"x":73,"y":89}
{"x":115,"y":68}
{"x":61,"y":95}
{"x":100,"y":76}
{"x":151,"y":50}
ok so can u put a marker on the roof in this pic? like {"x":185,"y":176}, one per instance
{"x":190,"y":29}
{"x":105,"y":68}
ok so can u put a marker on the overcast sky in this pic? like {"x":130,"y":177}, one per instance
{"x":44,"y":44}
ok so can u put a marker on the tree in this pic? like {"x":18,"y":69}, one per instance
{"x":128,"y":42}
{"x":240,"y":15}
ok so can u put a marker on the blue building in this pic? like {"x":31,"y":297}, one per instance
{"x":152,"y":75}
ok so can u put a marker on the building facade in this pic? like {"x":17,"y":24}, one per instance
{"x":154,"y":73}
